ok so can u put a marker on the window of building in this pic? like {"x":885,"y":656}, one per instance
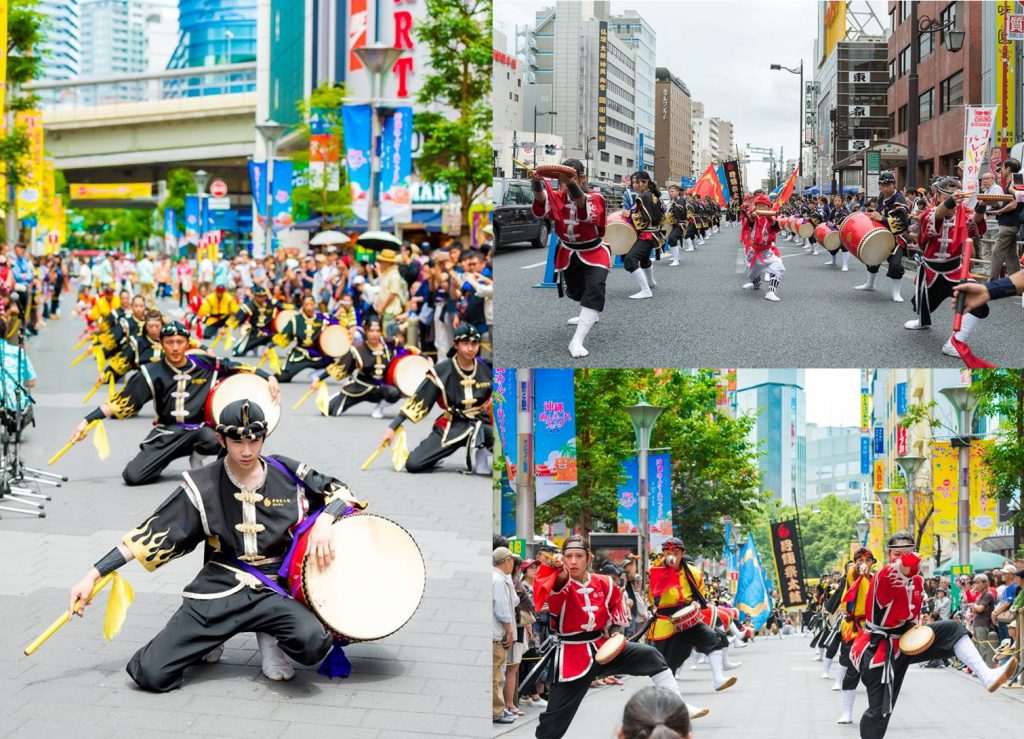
{"x":951,"y":13}
{"x":904,"y":9}
{"x":517,"y":97}
{"x":902,"y":118}
{"x":618,"y":159}
{"x":604,"y":156}
{"x":892,"y":19}
{"x":629,"y":163}
{"x":892,"y":122}
{"x":952,"y":92}
{"x":925,"y":45}
{"x":905,"y":60}
{"x":892,"y":71}
{"x":925,"y":107}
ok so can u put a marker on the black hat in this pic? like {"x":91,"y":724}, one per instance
{"x":259,"y":290}
{"x":173,"y":328}
{"x":887,"y":178}
{"x":242,"y":419}
{"x":575,"y":164}
{"x":610,"y":569}
{"x":466,"y":332}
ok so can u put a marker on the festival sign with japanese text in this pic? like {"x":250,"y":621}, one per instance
{"x":978,"y":128}
{"x":984,"y":504}
{"x":944,"y":489}
{"x":602,"y":85}
{"x":554,"y":432}
{"x":788,"y":564}
{"x":504,"y":397}
{"x":1009,"y":30}
{"x":734,"y":178}
{"x":659,"y":498}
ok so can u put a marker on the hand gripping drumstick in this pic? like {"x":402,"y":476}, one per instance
{"x":71,"y":443}
{"x":65,"y":617}
{"x":305,"y":397}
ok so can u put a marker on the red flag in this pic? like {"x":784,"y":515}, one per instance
{"x":709,"y":184}
{"x":787,"y":190}
{"x":970,"y":360}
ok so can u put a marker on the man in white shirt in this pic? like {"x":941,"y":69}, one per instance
{"x":988,"y":185}
{"x":503,"y":606}
{"x":147,"y":280}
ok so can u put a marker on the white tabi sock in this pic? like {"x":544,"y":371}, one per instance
{"x":275,"y":664}
{"x":721,"y":681}
{"x":870,"y":284}
{"x":838,"y":684}
{"x":689,"y":245}
{"x":896,"y":285}
{"x":675,"y":256}
{"x":649,"y":271}
{"x":586,"y":320}
{"x":378,"y":410}
{"x":641,"y":280}
{"x":846,"y":261}
{"x":826,"y":665}
{"x":820,"y":655}
{"x":990,"y":677}
{"x":666,"y":681}
{"x":849,"y":696}
{"x":214,"y":654}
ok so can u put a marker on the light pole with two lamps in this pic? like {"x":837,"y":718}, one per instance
{"x":800,"y":158}
{"x":378,"y":59}
{"x":964,"y":402}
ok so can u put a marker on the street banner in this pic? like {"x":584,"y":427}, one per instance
{"x":324,"y":152}
{"x":865,"y":455}
{"x":356,"y":129}
{"x":785,"y":539}
{"x":978,"y":128}
{"x":110,"y":190}
{"x":554,"y":432}
{"x":258,"y":187}
{"x":281,"y":204}
{"x":1009,"y":30}
{"x":865,"y":410}
{"x":358,"y":23}
{"x":752,"y":596}
{"x":879,"y":476}
{"x":879,"y":441}
{"x":898,"y":510}
{"x":875,"y":542}
{"x":192,"y":217}
{"x":602,"y":86}
{"x":28,"y":196}
{"x":925,"y":524}
{"x":901,"y":398}
{"x":659,"y":498}
{"x":944,"y":489}
{"x":726,"y":192}
{"x":170,"y":227}
{"x":734,"y":178}
{"x":901,"y":441}
{"x":504,"y":400}
{"x":708,"y":184}
{"x":396,"y":166}
{"x":984,"y":504}
{"x":729,"y":551}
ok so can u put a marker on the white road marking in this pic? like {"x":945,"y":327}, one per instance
{"x":531,"y":266}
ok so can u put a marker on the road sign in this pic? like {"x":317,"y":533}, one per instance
{"x":517,"y":547}
{"x":218,"y":188}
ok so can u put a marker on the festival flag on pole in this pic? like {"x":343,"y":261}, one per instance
{"x":787,"y":190}
{"x":751,"y":593}
{"x":709,"y":184}
{"x":720,"y":172}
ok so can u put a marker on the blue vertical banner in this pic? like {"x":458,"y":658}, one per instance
{"x":504,"y":400}
{"x":192,"y":219}
{"x":879,"y":441}
{"x":170,"y":228}
{"x":281,"y":193}
{"x":752,"y":598}
{"x":356,"y":126}
{"x":659,"y":498}
{"x":865,"y":455}
{"x":396,"y":166}
{"x":901,"y":398}
{"x":640,"y":151}
{"x":258,"y":186}
{"x":554,"y":432}
{"x":720,"y":171}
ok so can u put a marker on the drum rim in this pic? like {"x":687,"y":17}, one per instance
{"x":872,"y":233}
{"x":208,"y":414}
{"x":613,"y":637}
{"x":924,"y":648}
{"x":312,"y":608}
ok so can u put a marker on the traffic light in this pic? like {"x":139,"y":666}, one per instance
{"x":549,"y":149}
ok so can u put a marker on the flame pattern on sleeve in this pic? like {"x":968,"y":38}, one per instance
{"x":148,"y":545}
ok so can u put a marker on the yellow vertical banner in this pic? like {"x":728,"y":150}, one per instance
{"x":879,"y":475}
{"x":898,"y":511}
{"x":944,"y":488}
{"x":3,"y":94}
{"x":922,"y":507}
{"x":1004,"y":133}
{"x":875,"y":543}
{"x":29,"y":194}
{"x":984,"y":505}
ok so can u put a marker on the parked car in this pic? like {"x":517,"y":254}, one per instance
{"x":513,"y":218}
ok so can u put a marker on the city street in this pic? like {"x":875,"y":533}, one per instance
{"x":431,"y":678}
{"x":780,"y":693}
{"x":700,"y":317}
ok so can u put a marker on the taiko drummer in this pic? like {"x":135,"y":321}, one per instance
{"x":243,"y":507}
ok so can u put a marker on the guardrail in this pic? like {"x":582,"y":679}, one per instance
{"x":222,"y":79}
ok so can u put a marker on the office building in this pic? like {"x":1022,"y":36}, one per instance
{"x":673,"y":131}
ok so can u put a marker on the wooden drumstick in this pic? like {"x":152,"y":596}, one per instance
{"x":82,"y":356}
{"x":71,"y":443}
{"x":373,"y":456}
{"x":65,"y":617}
{"x":305,"y":397}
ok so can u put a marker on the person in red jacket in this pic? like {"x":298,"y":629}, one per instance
{"x":761,"y":256}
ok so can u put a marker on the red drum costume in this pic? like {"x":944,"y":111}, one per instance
{"x":761,"y":256}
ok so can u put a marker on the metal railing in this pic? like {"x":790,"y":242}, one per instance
{"x":221,"y":79}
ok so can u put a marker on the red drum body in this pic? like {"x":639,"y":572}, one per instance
{"x":828,"y":237}
{"x":687,"y":617}
{"x":619,"y":233}
{"x":866,"y":239}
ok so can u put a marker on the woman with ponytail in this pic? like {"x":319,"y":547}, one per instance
{"x":654,"y":713}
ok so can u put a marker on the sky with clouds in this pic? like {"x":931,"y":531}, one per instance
{"x":722,"y":51}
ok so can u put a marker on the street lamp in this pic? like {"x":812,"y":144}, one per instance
{"x":911,"y":463}
{"x":592,"y":138}
{"x":378,"y":59}
{"x":201,"y":177}
{"x":954,"y":41}
{"x":270,"y":131}
{"x":643,"y":415}
{"x":863,"y":527}
{"x":800,"y":140}
{"x":964,"y":401}
{"x":535,"y":114}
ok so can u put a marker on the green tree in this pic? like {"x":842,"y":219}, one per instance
{"x":180,"y":183}
{"x":457,"y":145}
{"x":334,"y":206}
{"x":119,"y":228}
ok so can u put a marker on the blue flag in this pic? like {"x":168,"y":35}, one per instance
{"x":751,"y":593}
{"x":725,"y":183}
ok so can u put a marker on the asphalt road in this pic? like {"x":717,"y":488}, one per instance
{"x":430,"y":678}
{"x":780,"y":694}
{"x":700,"y":317}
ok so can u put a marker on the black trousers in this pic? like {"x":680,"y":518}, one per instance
{"x":677,"y":648}
{"x":895,"y":268}
{"x":872,"y":723}
{"x":585,"y":283}
{"x":564,"y":698}
{"x":200,"y":625}
{"x":927,"y":299}
{"x":832,"y":647}
{"x":429,"y":452}
{"x":639,"y":256}
{"x":675,"y":235}
{"x":297,"y":362}
{"x":341,"y":402}
{"x":253,"y":339}
{"x":852,"y":676}
{"x":163,"y":445}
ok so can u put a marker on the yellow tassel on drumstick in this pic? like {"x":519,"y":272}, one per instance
{"x":121,"y":596}
{"x":99,"y":440}
{"x":323,"y":400}
{"x":399,"y":450}
{"x":275,"y":362}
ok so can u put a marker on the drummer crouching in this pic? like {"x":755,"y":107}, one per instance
{"x":237,"y":590}
{"x":894,"y":601}
{"x":362,"y":371}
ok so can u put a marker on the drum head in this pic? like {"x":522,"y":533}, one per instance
{"x":241,"y":387}
{"x":610,"y":649}
{"x":375,"y":583}
{"x":334,"y":341}
{"x":876,"y":247}
{"x":917,"y":640}
{"x":806,"y":230}
{"x":554,"y":171}
{"x":282,"y":319}
{"x":832,"y":242}
{"x":620,"y":236}
{"x":408,"y":371}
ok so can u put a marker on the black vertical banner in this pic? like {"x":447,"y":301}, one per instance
{"x":734,"y":179}
{"x":602,"y":86}
{"x":788,"y":563}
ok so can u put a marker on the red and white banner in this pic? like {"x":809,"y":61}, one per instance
{"x":901,"y":441}
{"x":977,"y":131}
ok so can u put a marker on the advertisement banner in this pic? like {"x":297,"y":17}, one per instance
{"x":944,"y":489}
{"x":875,"y":543}
{"x":192,"y":218}
{"x":901,"y":441}
{"x":1008,"y":32}
{"x":111,"y":190}
{"x":396,"y":166}
{"x":834,"y":26}
{"x":358,"y":23}
{"x":659,"y":498}
{"x":554,"y":432}
{"x":29,"y":196}
{"x":602,"y":85}
{"x":356,"y":128}
{"x":258,"y":187}
{"x":504,"y":400}
{"x":865,"y":410}
{"x":979,"y":121}
{"x":984,"y":504}
{"x":324,"y":152}
{"x":170,"y":227}
{"x":785,"y":540}
{"x":925,"y":524}
{"x":281,"y":204}
{"x":865,"y":455}
{"x":898,"y":511}
{"x":901,"y":399}
{"x":879,"y":441}
{"x":879,"y":475}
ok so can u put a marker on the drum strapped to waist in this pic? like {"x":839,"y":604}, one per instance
{"x":805,"y":229}
{"x":828,"y":237}
{"x":619,"y":232}
{"x":611,"y":649}
{"x":686,"y":618}
{"x":407,"y":372}
{"x":282,"y":319}
{"x":554,"y":171}
{"x":917,"y":640}
{"x":371,"y":588}
{"x":334,"y":341}
{"x":243,"y":386}
{"x":867,"y":240}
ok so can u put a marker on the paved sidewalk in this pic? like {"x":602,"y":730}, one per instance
{"x":431,"y":678}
